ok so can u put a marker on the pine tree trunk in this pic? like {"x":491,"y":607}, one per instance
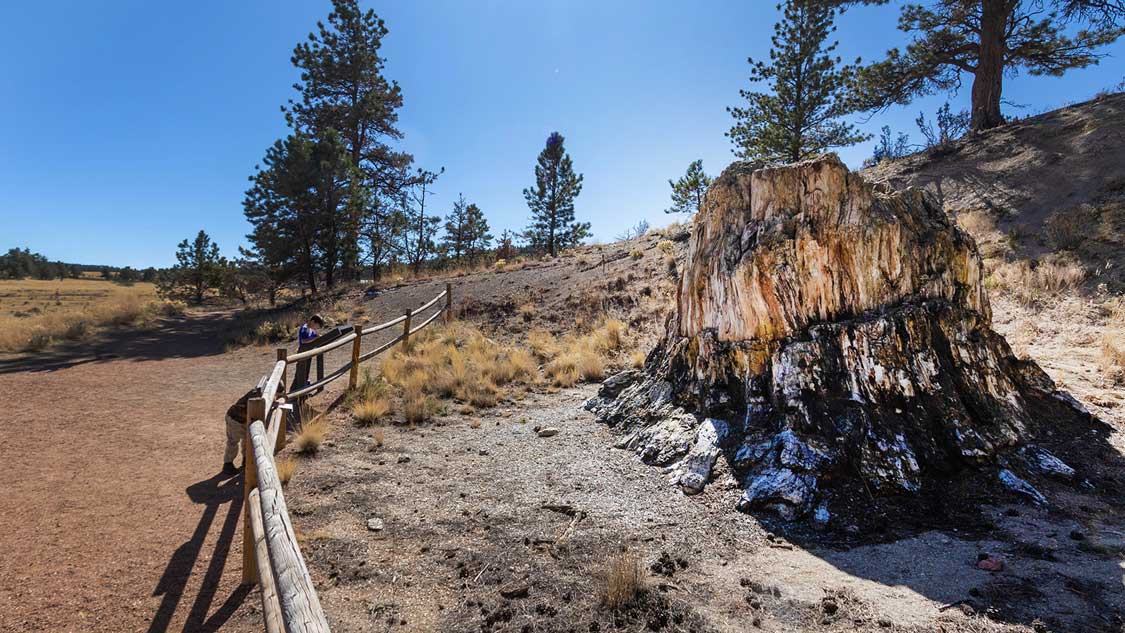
{"x":989,"y":78}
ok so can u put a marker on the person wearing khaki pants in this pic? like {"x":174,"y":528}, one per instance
{"x":236,"y":431}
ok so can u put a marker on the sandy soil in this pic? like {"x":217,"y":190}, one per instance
{"x":114,"y":518}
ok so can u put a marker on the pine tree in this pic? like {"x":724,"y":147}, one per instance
{"x":301,"y":207}
{"x":455,"y":243}
{"x":478,"y":239}
{"x":343,"y":88}
{"x":797,"y":119}
{"x":688,"y":191}
{"x":197,"y":267}
{"x":986,"y":39}
{"x":551,"y":201}
{"x":420,"y":228}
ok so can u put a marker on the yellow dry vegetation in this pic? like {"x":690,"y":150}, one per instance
{"x":36,"y":313}
{"x":459,"y":363}
{"x":1029,"y":282}
{"x":624,"y":579}
{"x":286,"y":468}
{"x":312,"y":435}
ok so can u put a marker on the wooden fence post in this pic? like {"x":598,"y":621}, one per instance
{"x":448,"y":303}
{"x":255,"y":410}
{"x":406,"y":333}
{"x":283,"y":354}
{"x":353,"y":377}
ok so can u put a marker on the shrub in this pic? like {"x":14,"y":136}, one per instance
{"x":286,"y":468}
{"x":667,"y":247}
{"x":312,"y":434}
{"x":1028,"y":284}
{"x":1067,"y":229}
{"x":371,"y":411}
{"x":590,"y":366}
{"x":543,"y":344}
{"x":527,"y":312}
{"x":563,"y":370}
{"x":609,"y":336}
{"x":624,"y":580}
{"x":636,"y":253}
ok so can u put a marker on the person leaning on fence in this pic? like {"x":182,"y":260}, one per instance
{"x":307,"y":333}
{"x":236,"y":429}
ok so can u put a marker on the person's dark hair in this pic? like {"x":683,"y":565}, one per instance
{"x":316,"y":318}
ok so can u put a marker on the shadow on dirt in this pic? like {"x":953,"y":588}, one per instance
{"x":185,"y":337}
{"x":213,"y":494}
{"x":1062,"y":562}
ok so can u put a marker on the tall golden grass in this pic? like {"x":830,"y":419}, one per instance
{"x":458,"y":362}
{"x":35,"y":314}
{"x":1029,"y":284}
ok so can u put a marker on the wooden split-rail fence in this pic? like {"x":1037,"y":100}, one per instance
{"x":271,"y":555}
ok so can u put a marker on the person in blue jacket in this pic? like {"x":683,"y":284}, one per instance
{"x":306,"y":335}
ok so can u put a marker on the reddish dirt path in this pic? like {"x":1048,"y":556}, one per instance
{"x":113,"y":515}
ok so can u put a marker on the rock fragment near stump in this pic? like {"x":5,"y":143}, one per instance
{"x":832,"y":340}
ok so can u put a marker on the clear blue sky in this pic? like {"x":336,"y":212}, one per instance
{"x":128,"y":125}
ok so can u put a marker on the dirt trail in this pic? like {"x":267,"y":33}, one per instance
{"x":114,"y":516}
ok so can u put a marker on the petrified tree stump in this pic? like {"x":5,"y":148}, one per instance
{"x":832,"y":342}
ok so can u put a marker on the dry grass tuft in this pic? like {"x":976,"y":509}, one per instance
{"x":637,"y":359}
{"x":667,"y":247}
{"x":543,"y":344}
{"x":371,"y":411}
{"x":377,"y":439}
{"x":563,"y":371}
{"x":312,"y":435}
{"x":636,"y":253}
{"x":1113,"y":343}
{"x":286,"y":468}
{"x":624,"y":580}
{"x":1029,"y":283}
{"x":527,"y":312}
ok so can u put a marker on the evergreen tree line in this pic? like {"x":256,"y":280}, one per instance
{"x":335,"y":200}
{"x":24,"y":264}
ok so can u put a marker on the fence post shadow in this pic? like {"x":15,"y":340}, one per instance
{"x":212,"y":493}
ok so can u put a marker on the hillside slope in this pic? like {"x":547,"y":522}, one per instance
{"x":1069,"y":161}
{"x":1045,"y":199}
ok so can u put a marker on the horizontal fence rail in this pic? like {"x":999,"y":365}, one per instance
{"x":271,"y":555}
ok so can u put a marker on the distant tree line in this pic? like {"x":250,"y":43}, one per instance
{"x":24,"y":264}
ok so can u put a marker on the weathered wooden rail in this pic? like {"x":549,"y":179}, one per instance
{"x":271,"y":555}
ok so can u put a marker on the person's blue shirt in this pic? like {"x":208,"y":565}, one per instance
{"x":306,"y":334}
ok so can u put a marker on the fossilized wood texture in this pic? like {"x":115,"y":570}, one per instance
{"x":828,"y":335}
{"x":779,"y":249}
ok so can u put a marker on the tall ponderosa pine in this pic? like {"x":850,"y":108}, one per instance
{"x":986,"y":39}
{"x":198,"y":265}
{"x":551,"y":201}
{"x":343,"y":89}
{"x":688,"y":191}
{"x":797,"y":118}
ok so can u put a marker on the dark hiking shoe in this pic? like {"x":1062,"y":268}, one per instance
{"x":229,"y":469}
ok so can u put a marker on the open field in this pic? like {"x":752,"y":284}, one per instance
{"x":35,"y":313}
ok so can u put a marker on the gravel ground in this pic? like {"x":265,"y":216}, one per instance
{"x":471,"y":514}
